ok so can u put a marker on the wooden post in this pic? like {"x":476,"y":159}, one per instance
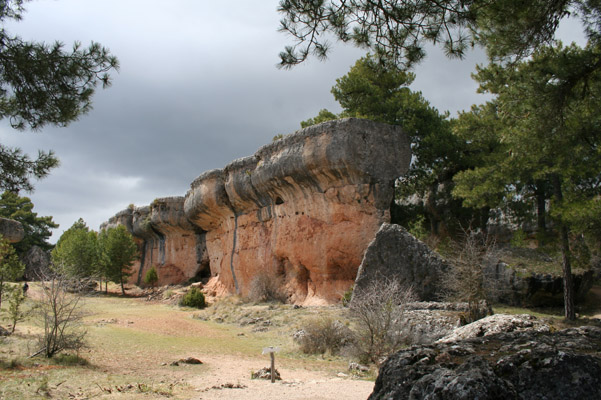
{"x":271,"y":351}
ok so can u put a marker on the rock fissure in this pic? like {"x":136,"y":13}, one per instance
{"x":142,"y":260}
{"x":233,"y":253}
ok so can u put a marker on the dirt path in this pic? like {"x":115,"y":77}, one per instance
{"x":300,"y":384}
{"x":223,"y":375}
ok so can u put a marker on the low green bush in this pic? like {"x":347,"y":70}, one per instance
{"x":194,"y":298}
{"x":70,"y":360}
{"x":152,"y":277}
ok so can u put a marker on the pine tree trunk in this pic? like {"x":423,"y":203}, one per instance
{"x":568,"y":284}
{"x":122,"y":288}
{"x":540,"y":213}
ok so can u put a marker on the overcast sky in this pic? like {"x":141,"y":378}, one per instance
{"x":198,"y":87}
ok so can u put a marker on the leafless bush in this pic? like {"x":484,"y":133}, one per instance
{"x":267,"y":287}
{"x":60,"y":313}
{"x":324,"y":334}
{"x":379,"y":310}
{"x":465,"y":280}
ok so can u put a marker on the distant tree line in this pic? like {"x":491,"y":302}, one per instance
{"x":84,"y":254}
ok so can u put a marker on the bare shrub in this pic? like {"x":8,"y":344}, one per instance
{"x":465,"y":280}
{"x":60,"y":313}
{"x":379,"y":310}
{"x":267,"y":287}
{"x":324,"y":334}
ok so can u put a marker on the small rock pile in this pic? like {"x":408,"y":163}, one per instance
{"x":265,"y":373}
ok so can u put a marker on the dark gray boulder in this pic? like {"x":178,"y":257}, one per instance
{"x":37,"y":263}
{"x":395,"y":254}
{"x":516,"y":365}
{"x":505,"y":285}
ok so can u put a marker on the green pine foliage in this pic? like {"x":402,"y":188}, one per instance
{"x":11,"y":268}
{"x":323,"y":116}
{"x":43,"y":84}
{"x":377,"y":92}
{"x":37,"y":229}
{"x":548,"y":142}
{"x":397,"y":32}
{"x":76,"y":252}
{"x":151,"y":277}
{"x":117,"y":252}
{"x":15,"y":310}
{"x":46,"y":84}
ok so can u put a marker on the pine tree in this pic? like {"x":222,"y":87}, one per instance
{"x":117,"y":251}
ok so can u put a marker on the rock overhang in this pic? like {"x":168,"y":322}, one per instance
{"x":325,"y":190}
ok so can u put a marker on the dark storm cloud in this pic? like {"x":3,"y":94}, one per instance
{"x":198,"y":88}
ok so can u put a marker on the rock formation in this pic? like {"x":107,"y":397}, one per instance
{"x":37,"y":263}
{"x":395,"y":254}
{"x":515,"y":365}
{"x":11,"y":230}
{"x":508,"y":285}
{"x":302,"y":209}
{"x":166,"y":240}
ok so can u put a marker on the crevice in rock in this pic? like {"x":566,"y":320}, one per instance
{"x":161,"y":237}
{"x":142,"y":260}
{"x":234,"y":251}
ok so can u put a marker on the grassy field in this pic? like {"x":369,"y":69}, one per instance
{"x":132,"y":343}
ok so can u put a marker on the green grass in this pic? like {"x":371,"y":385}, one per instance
{"x":118,"y":329}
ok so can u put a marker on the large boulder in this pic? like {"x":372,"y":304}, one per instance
{"x":516,"y":365}
{"x":494,"y":324}
{"x":11,"y":230}
{"x":37,"y":263}
{"x":395,"y":254}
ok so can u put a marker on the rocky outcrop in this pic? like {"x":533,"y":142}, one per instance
{"x":166,"y":240}
{"x":395,"y":254}
{"x":11,"y":230}
{"x":494,"y":324}
{"x":505,"y":284}
{"x":515,"y":365}
{"x":302,"y":209}
{"x":37,"y":263}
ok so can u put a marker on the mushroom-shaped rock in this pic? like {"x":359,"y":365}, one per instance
{"x":302,"y":209}
{"x":11,"y":230}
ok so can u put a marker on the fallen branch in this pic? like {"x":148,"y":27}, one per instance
{"x":37,"y":353}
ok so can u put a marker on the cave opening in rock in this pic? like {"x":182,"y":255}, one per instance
{"x":202,"y":274}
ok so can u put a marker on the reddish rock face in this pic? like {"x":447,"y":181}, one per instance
{"x":302,"y":209}
{"x":166,"y":240}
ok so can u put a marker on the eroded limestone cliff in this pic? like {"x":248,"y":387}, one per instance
{"x":302,"y":209}
{"x":166,"y":240}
